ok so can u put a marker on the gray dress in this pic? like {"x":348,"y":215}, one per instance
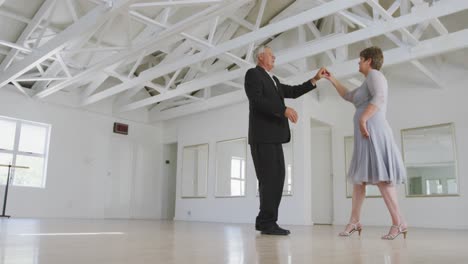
{"x":377,"y":158}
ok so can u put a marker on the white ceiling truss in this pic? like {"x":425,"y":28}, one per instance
{"x":176,"y":57}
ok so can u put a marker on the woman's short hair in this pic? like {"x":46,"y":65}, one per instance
{"x":374,"y":53}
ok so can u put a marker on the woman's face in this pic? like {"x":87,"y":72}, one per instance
{"x":364,"y":65}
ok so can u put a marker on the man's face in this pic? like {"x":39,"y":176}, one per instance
{"x":267,"y":59}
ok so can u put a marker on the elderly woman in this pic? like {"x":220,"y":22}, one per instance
{"x":376,"y":158}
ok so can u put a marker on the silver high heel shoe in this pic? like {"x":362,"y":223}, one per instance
{"x":400,"y":231}
{"x":356,"y":227}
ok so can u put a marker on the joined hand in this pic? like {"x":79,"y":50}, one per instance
{"x":321,"y":73}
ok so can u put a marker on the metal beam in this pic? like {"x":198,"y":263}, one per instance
{"x":225,"y":33}
{"x":20,"y":88}
{"x":414,"y":37}
{"x":426,"y":48}
{"x":377,"y":29}
{"x":443,"y":44}
{"x":205,"y":105}
{"x":272,"y":29}
{"x":175,"y":3}
{"x":14,"y":46}
{"x":317,"y":34}
{"x":30,"y":28}
{"x":20,"y":18}
{"x":146,"y":33}
{"x":186,"y":88}
{"x":381,"y":11}
{"x":242,"y":22}
{"x":86,"y":23}
{"x":163,"y":37}
{"x":72,"y":9}
{"x":439,"y":45}
{"x":315,"y":47}
{"x":183,"y":48}
{"x":428,"y":73}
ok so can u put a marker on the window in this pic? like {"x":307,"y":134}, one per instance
{"x":237,"y":176}
{"x":24,"y":143}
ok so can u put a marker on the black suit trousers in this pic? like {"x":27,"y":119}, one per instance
{"x":269,"y":165}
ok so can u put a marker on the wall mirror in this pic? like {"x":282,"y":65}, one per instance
{"x":194,"y":171}
{"x":430,"y":158}
{"x":371,"y":190}
{"x":231,"y":156}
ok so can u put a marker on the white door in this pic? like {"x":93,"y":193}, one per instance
{"x":120,"y":177}
{"x":322,"y":177}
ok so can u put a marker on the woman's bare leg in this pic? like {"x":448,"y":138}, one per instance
{"x":390,"y":197}
{"x":359,"y":194}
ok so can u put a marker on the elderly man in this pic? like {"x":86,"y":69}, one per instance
{"x":268,"y":129}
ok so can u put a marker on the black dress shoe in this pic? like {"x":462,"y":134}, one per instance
{"x":285,"y":230}
{"x":275,"y":231}
{"x":257,"y":227}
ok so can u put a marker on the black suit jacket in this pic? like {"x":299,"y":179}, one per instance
{"x":267,"y":123}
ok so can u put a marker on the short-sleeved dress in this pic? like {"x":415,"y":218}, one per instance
{"x":377,"y":158}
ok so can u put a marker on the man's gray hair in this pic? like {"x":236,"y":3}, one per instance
{"x":259,"y":50}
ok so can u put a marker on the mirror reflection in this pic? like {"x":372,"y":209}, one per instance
{"x":194,"y":171}
{"x":288,"y":164}
{"x":231,"y":158}
{"x":430,"y":159}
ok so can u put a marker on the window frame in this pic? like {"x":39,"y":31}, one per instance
{"x":241,"y":180}
{"x":15,"y":152}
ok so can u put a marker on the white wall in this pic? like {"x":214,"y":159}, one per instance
{"x":78,"y":162}
{"x":409,"y":106}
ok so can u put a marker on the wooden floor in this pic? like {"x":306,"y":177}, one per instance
{"x":32,"y":241}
